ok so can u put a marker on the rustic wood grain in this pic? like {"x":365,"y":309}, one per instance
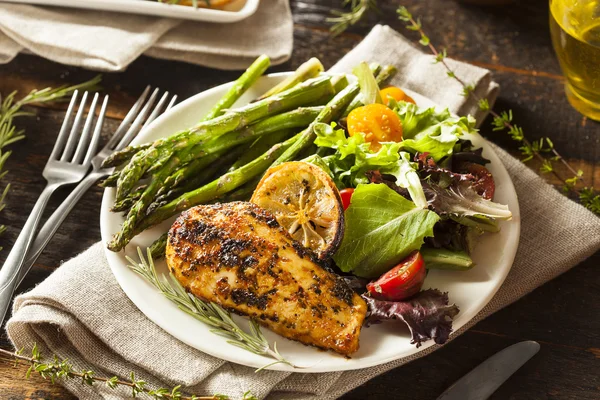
{"x":512,"y":41}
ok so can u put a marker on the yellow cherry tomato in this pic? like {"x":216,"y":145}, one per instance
{"x":377,"y":123}
{"x":395,"y":93}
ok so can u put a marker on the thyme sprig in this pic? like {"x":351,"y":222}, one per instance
{"x":344,"y":19}
{"x":504,"y":122}
{"x":10,"y":109}
{"x":209,"y":313}
{"x":58,"y":369}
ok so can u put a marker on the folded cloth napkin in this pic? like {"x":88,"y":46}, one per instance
{"x":110,"y":41}
{"x":80,"y":312}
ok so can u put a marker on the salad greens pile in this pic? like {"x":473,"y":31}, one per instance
{"x":426,"y":131}
{"x":429,"y":192}
{"x":418,"y":190}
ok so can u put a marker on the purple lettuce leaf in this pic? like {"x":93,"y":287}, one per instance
{"x":427,"y":315}
{"x":432,"y":172}
{"x":389,"y":181}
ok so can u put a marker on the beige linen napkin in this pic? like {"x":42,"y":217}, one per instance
{"x":110,"y":41}
{"x":80,"y":312}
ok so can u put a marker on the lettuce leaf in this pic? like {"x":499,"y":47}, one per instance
{"x":408,"y":178}
{"x":369,"y":89}
{"x":460,"y":200}
{"x":382,"y":228}
{"x":455,"y":195}
{"x":354,"y":158}
{"x":427,"y":315}
{"x":427,"y":131}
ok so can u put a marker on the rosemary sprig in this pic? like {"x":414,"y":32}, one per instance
{"x":343,"y":20}
{"x":209,"y":313}
{"x":504,"y":122}
{"x":10,"y":108}
{"x":58,"y":369}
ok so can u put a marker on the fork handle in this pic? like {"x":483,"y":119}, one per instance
{"x":57,"y":218}
{"x":14,"y":262}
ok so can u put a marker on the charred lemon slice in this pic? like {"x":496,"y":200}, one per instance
{"x":306,"y":202}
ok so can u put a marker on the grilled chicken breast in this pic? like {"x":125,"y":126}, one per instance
{"x":237,"y":255}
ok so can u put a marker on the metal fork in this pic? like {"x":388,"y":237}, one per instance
{"x":68,"y":163}
{"x":121,"y":138}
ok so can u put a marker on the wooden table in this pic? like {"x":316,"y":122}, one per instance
{"x":513,"y":42}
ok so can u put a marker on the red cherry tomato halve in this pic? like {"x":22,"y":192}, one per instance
{"x":346,"y":195}
{"x":402,"y":281}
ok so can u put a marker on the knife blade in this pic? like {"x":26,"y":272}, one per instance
{"x":484,"y":379}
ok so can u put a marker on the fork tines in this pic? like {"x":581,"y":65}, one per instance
{"x":75,"y":143}
{"x":140,"y":116}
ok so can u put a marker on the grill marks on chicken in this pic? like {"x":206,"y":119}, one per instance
{"x":237,"y":255}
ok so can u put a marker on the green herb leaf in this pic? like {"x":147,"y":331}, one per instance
{"x":590,"y":199}
{"x":484,"y":105}
{"x":440,"y":56}
{"x":343,"y":20}
{"x":382,"y":228}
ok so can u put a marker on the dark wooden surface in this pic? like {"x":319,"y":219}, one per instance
{"x":513,"y":41}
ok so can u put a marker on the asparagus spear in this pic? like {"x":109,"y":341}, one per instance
{"x":158,"y":247}
{"x":138,"y":210}
{"x":241,"y":155}
{"x":194,"y":175}
{"x":261,"y":145}
{"x":111,"y":180}
{"x":225,"y":184}
{"x":298,"y":118}
{"x":243,"y":193}
{"x":309,"y":69}
{"x":339,"y":83}
{"x":122,"y":156}
{"x":161,"y":150}
{"x":240,"y":86}
{"x":129,"y":201}
{"x":331,"y":111}
{"x":162,"y":180}
{"x":292,"y":119}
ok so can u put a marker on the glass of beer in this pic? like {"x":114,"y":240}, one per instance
{"x":575,"y":30}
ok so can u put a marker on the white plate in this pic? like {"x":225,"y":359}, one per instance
{"x":232,"y":12}
{"x":470,"y":290}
